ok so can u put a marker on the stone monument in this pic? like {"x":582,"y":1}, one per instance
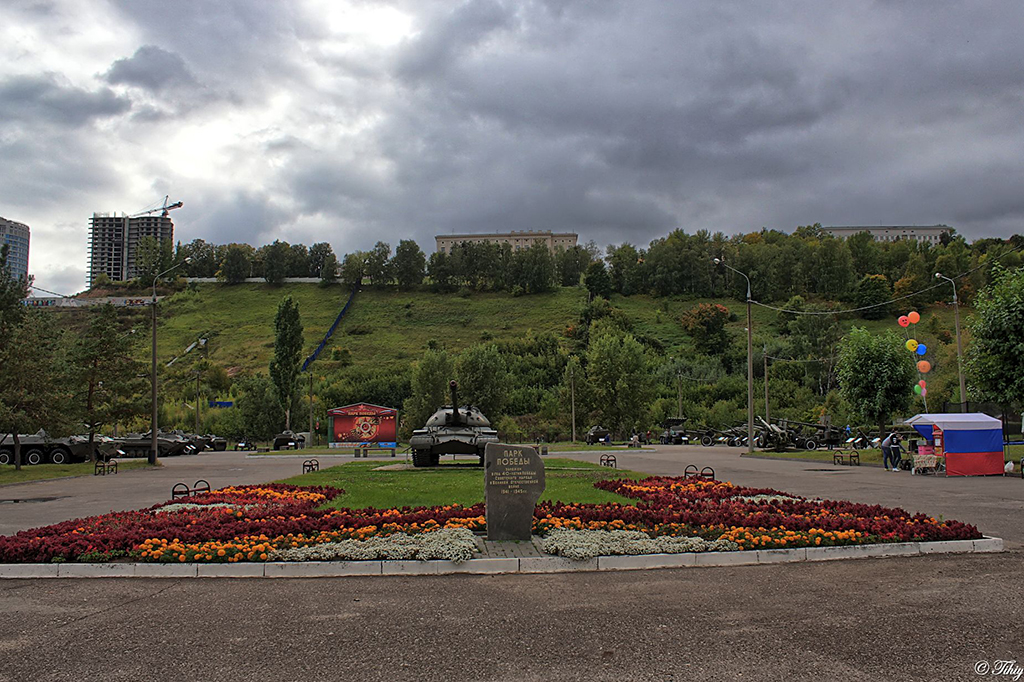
{"x":513,"y":482}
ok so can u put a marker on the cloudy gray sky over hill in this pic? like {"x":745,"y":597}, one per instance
{"x":354,"y":122}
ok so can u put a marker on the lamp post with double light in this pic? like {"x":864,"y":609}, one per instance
{"x":959,"y":345}
{"x":750,"y":359}
{"x":153,"y":451}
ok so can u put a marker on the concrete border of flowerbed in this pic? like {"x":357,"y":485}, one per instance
{"x":491,"y":566}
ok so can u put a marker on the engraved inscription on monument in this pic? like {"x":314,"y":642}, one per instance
{"x":513,"y":482}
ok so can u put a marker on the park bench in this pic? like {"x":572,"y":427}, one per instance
{"x":182,"y":490}
{"x":848,"y":457}
{"x":609,"y":461}
{"x":103,"y":468}
{"x":310,"y":465}
{"x":691,"y":471}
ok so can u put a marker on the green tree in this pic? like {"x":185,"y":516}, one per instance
{"x":297,"y":261}
{"x":621,"y":381}
{"x":626,"y":265}
{"x":329,"y":269}
{"x":203,"y":257}
{"x":597,"y":281}
{"x":237,"y":264}
{"x":12,"y":292}
{"x":429,"y":388}
{"x":275,"y":263}
{"x":571,"y":264}
{"x":152,"y":256}
{"x":483,"y":378}
{"x":32,"y":391}
{"x":873,"y":290}
{"x":876,"y":375}
{"x":378,"y":265}
{"x":319,"y":254}
{"x":997,"y":338}
{"x":284,"y":367}
{"x":409,"y":265}
{"x":108,"y":379}
{"x":534,"y":269}
{"x":352,"y":270}
{"x":705,"y":322}
{"x":864,"y":252}
{"x":260,"y":408}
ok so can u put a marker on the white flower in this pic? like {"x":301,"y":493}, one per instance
{"x":580,"y":545}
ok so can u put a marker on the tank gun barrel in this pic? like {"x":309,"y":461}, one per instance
{"x":454,"y":386}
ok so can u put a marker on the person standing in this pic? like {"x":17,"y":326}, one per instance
{"x":887,"y":451}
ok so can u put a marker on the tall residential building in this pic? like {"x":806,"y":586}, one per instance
{"x":894,"y":233}
{"x":114,"y":241}
{"x":17,"y":235}
{"x":517,"y":240}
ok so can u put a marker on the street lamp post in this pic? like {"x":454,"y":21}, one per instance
{"x":959,"y":346}
{"x":153,"y":445}
{"x":750,"y":359}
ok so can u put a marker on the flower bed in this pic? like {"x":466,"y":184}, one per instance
{"x":284,"y":522}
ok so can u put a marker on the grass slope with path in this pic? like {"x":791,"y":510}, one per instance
{"x":367,"y":485}
{"x":391,"y":329}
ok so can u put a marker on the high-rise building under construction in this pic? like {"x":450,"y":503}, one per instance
{"x":114,"y":241}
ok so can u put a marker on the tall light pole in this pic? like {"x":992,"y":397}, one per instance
{"x":750,"y":359}
{"x":959,"y":346}
{"x":153,"y":445}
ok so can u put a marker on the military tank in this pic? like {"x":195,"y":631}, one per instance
{"x":452,"y":430}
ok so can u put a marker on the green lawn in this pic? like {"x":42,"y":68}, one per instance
{"x":567,"y":480}
{"x":43,"y":472}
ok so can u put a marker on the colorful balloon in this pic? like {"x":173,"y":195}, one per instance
{"x":914,"y":317}
{"x":911,"y":345}
{"x":917,"y":389}
{"x":923,"y":366}
{"x":924,"y":391}
{"x":904,"y":320}
{"x":922,"y":383}
{"x":921,"y":349}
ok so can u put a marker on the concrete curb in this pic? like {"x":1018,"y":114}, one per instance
{"x":495,"y":566}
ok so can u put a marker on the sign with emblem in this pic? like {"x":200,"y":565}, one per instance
{"x":363,"y":425}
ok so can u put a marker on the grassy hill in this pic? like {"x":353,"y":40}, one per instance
{"x":392,"y":329}
{"x":384,"y":328}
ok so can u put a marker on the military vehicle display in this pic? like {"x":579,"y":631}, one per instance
{"x":598,"y":434}
{"x":452,"y":431}
{"x":674,"y":433}
{"x":289,"y":440}
{"x":168,"y":444}
{"x":40,"y":447}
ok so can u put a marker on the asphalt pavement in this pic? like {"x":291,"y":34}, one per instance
{"x":937,"y":617}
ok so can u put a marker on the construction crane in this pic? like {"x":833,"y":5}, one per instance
{"x":163,"y":209}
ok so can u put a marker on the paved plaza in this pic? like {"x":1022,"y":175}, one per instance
{"x":914,"y":618}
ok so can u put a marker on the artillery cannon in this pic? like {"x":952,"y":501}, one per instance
{"x":452,"y":431}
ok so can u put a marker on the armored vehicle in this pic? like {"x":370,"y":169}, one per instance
{"x":39,"y":447}
{"x":289,"y":440}
{"x":452,"y":430}
{"x":674,"y":433}
{"x":598,"y":434}
{"x":139,"y":444}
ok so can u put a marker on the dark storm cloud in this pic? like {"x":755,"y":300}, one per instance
{"x":619,"y":121}
{"x":46,"y":98}
{"x":151,"y":68}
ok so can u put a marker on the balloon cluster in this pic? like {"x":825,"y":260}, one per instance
{"x":923,"y":366}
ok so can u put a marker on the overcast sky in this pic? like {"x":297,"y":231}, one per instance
{"x":355,"y":122}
